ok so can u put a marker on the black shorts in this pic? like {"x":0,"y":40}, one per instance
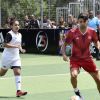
{"x":98,"y":34}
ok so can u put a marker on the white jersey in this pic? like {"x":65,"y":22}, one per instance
{"x":10,"y":56}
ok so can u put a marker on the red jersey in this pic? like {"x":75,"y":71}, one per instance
{"x":81,"y":43}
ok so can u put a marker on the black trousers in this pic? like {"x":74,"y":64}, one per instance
{"x":97,"y":51}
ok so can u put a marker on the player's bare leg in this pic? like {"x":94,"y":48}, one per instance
{"x":74,"y":74}
{"x":19,"y":92}
{"x":3,"y":71}
{"x":96,"y":77}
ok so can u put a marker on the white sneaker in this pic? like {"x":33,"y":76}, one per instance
{"x":76,"y":98}
{"x":80,"y":98}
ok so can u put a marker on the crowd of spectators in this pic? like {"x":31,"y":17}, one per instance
{"x":33,"y":22}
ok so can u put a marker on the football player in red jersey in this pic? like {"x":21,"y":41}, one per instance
{"x":80,"y":38}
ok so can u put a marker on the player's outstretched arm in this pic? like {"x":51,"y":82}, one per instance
{"x":65,"y":58}
{"x":97,"y":44}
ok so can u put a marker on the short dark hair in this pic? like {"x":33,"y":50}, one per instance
{"x":12,"y":20}
{"x":83,"y":16}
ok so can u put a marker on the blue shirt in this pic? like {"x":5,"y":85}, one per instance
{"x":99,"y":21}
{"x":93,"y":23}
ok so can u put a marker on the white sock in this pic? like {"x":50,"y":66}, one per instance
{"x":76,"y":89}
{"x":18,"y":82}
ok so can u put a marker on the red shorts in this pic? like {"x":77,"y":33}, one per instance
{"x":87,"y":65}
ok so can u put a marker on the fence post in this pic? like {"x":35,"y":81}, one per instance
{"x":49,"y":7}
{"x":41,"y":10}
{"x":0,"y":13}
{"x":94,"y":7}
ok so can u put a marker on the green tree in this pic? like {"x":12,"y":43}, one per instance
{"x":19,"y":8}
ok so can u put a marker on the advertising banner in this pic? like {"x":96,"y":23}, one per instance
{"x":42,"y":41}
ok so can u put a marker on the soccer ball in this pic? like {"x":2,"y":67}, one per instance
{"x":75,"y":98}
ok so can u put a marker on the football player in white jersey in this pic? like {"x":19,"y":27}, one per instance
{"x":10,"y":56}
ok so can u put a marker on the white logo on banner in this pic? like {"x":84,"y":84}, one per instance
{"x":42,"y":41}
{"x":1,"y":40}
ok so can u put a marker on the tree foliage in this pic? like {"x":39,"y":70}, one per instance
{"x":20,"y":8}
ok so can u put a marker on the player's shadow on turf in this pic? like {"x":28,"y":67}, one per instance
{"x":8,"y":97}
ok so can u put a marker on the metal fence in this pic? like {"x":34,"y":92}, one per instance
{"x":52,"y":10}
{"x":75,"y":8}
{"x":62,"y":12}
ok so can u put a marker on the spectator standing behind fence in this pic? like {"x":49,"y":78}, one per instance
{"x":7,"y":24}
{"x":70,"y":21}
{"x":75,"y":23}
{"x":26,"y":22}
{"x":98,"y":16}
{"x":61,"y":42}
{"x":48,"y":26}
{"x":94,"y":23}
{"x":34,"y":23}
{"x":53,"y":25}
{"x":61,"y":24}
{"x":45,"y":21}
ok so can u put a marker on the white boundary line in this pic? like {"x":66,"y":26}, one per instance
{"x":37,"y":76}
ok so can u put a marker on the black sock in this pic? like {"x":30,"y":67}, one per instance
{"x":78,"y":93}
{"x":97,"y":53}
{"x":18,"y":90}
